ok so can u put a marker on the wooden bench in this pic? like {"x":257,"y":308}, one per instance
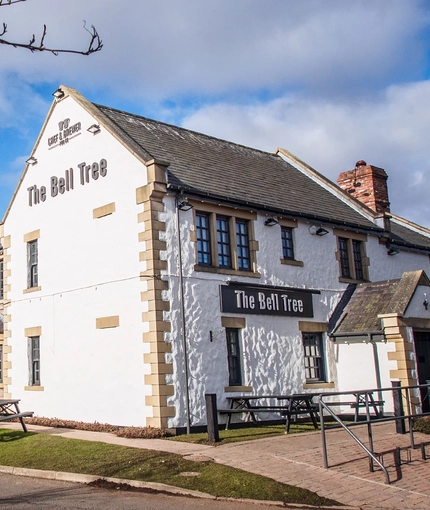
{"x":361,"y":404}
{"x":250,"y":412}
{"x":9,"y":410}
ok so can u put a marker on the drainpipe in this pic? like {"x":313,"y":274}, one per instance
{"x":377,"y":368}
{"x":182,"y":322}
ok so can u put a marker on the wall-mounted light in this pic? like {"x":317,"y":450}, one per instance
{"x":271,"y":222}
{"x":425,"y":302}
{"x":183,"y":205}
{"x":392,"y":251}
{"x":31,"y":160}
{"x":58,"y":94}
{"x":317,"y":231}
{"x":94,"y":129}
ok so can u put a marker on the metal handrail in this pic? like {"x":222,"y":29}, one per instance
{"x":362,"y":445}
{"x":400,"y":417}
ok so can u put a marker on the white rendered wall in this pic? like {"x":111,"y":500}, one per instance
{"x":88,"y":268}
{"x":272,"y":351}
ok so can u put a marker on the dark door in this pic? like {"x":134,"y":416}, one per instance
{"x":422,"y":348}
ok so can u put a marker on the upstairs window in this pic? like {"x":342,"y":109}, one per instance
{"x":287,"y":243}
{"x":203,"y":232}
{"x":32,"y":264}
{"x":351,"y":255}
{"x":224,"y":242}
{"x":242,"y":243}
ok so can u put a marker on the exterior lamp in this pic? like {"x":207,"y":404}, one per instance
{"x":271,"y":222}
{"x":317,"y":231}
{"x":183,"y":205}
{"x":31,"y":160}
{"x":94,"y":129}
{"x":425,"y":302}
{"x":392,"y":251}
{"x":58,"y":94}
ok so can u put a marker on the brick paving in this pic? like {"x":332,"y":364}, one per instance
{"x":297,"y":459}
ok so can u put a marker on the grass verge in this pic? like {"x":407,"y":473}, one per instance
{"x":244,"y":433}
{"x":40,"y":451}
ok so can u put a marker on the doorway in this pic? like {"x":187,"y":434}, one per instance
{"x":422,"y":349}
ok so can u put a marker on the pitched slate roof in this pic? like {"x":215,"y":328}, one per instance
{"x":372,"y":299}
{"x":209,"y":167}
{"x":401,"y":234}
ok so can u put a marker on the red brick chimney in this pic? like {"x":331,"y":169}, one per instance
{"x":368,"y":184}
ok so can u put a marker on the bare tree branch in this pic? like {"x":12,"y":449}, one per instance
{"x":94,"y":45}
{"x":9,"y":2}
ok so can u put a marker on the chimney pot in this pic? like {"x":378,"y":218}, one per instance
{"x":369,"y":185}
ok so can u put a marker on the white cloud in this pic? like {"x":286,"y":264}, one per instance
{"x":155,"y":48}
{"x":391,"y":132}
{"x":339,"y":70}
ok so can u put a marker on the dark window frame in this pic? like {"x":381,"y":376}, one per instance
{"x":223,"y":242}
{"x":352,"y":259}
{"x":204,"y":241}
{"x":234,"y":357}
{"x":242,"y":245}
{"x":32,"y":264}
{"x":314,"y":357}
{"x":1,"y":279}
{"x":34,"y":360}
{"x":287,"y":243}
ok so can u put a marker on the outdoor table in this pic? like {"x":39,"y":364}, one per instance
{"x":9,"y":410}
{"x":299,"y":403}
{"x":295,"y":404}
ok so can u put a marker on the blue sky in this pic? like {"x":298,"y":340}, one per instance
{"x":331,"y":81}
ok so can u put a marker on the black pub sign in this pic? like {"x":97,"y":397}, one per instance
{"x":266,"y":301}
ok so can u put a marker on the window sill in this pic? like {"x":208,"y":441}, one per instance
{"x":31,"y":289}
{"x":221,"y":270}
{"x":291,"y":262}
{"x":317,"y":384}
{"x":34,"y":388}
{"x":351,"y":280}
{"x":231,"y":389}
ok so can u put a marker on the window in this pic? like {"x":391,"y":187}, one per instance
{"x":34,"y":360}
{"x":203,"y":231}
{"x":351,"y":255}
{"x":314,"y":357}
{"x":32,"y":264}
{"x":242,"y":242}
{"x":287,"y":243}
{"x":233,"y":356}
{"x":351,"y":263}
{"x":224,"y":242}
{"x":1,"y":279}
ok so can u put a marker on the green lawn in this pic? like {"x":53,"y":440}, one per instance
{"x":245,"y":433}
{"x":40,"y":451}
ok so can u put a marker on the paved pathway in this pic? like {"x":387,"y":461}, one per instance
{"x":296,"y":459}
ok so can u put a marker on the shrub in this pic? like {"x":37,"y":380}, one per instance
{"x":422,"y":425}
{"x":128,"y":432}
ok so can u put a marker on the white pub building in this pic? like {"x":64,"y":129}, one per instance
{"x":144,"y":265}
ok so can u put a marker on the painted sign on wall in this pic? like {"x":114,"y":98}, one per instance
{"x":260,"y":300}
{"x":59,"y":184}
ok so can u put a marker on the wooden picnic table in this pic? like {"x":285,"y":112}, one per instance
{"x":292,"y":405}
{"x":9,"y":410}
